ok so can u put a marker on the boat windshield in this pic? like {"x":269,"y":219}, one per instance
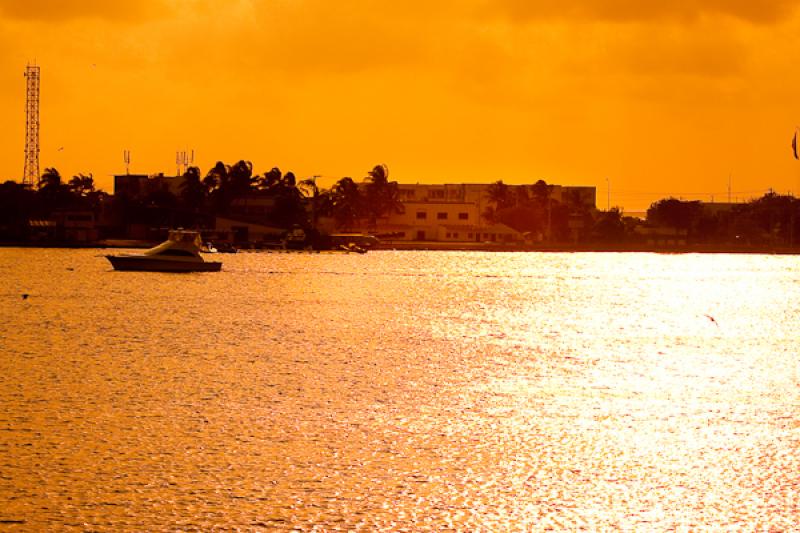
{"x":188,"y":241}
{"x":187,"y":237}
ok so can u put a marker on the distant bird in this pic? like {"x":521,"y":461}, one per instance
{"x":60,"y":148}
{"x":712,"y":319}
{"x":24,"y":295}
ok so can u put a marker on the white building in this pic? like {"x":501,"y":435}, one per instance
{"x":454,"y":213}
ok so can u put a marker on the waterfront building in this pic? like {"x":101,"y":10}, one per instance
{"x":456,"y":213}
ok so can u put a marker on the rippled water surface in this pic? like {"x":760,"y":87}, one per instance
{"x":401,"y":390}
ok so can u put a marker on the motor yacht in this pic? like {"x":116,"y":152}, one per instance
{"x":179,"y":253}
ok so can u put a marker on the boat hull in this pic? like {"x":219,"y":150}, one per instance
{"x":150,"y":264}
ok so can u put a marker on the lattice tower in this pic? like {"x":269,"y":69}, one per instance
{"x":31,"y":174}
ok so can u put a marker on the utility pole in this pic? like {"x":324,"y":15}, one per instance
{"x":730,"y":174}
{"x":608,"y":194}
{"x":30,"y":174}
{"x":315,"y":191}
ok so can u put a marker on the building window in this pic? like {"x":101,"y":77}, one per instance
{"x":422,"y":215}
{"x":470,"y":236}
{"x":463,"y":216}
{"x":441,"y":216}
{"x":455,"y":235}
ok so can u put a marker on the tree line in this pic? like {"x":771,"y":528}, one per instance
{"x":772,"y":220}
{"x":202,"y":197}
{"x":294,"y":202}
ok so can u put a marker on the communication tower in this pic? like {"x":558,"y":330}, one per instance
{"x":31,"y":173}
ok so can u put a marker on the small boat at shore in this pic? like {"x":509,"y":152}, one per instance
{"x":179,"y":253}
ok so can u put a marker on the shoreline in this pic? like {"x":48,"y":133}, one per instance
{"x":590,"y":248}
{"x":475,"y":247}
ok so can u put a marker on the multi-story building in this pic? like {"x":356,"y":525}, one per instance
{"x":455,"y":212}
{"x":139,"y":186}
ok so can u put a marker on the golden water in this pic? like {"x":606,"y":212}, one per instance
{"x":401,"y":391}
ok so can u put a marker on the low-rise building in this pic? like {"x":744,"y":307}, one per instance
{"x":662,"y":236}
{"x":455,"y":212}
{"x":243,"y":233}
{"x":77,"y":226}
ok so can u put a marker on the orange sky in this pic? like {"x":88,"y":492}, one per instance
{"x":660,"y":98}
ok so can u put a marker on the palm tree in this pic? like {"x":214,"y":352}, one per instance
{"x":193,"y":188}
{"x":382,"y":195}
{"x":379,"y":174}
{"x":309,"y":188}
{"x":270,"y":179}
{"x":81,"y":185}
{"x":50,"y":179}
{"x":289,"y":209}
{"x":346,"y":202}
{"x":54,"y":194}
{"x":541,"y":192}
{"x":541,"y":195}
{"x":216,"y":182}
{"x":216,"y":177}
{"x":240,"y":178}
{"x":500,"y":195}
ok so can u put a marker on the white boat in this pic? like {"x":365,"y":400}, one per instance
{"x":179,"y":253}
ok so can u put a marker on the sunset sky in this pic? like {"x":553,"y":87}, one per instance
{"x":655,"y":98}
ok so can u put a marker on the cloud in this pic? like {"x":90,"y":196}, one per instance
{"x":56,"y":11}
{"x":306,"y":39}
{"x":760,"y":12}
{"x":703,"y":55}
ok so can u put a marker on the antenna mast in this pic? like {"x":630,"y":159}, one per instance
{"x":31,"y":173}
{"x":126,"y":156}
{"x":183,"y":160}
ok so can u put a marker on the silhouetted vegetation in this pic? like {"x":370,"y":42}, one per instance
{"x":533,"y":210}
{"x":610,"y":227}
{"x":279,"y":200}
{"x":24,"y":208}
{"x":771,"y":220}
{"x":225,"y":190}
